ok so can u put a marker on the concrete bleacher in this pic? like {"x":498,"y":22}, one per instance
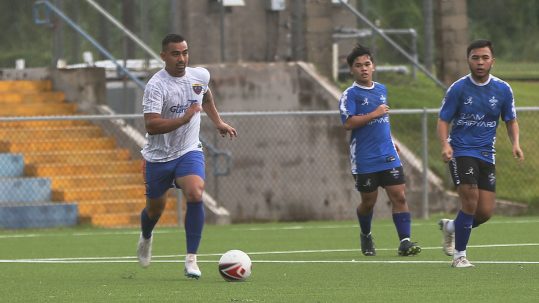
{"x":64,"y":163}
{"x":26,"y":202}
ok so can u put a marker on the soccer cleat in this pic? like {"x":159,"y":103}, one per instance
{"x":461,"y":262}
{"x":144,"y":251}
{"x":367,"y":245}
{"x":448,"y":241}
{"x":408,"y":248}
{"x":191,"y":268}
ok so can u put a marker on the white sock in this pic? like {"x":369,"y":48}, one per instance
{"x":450,"y":227}
{"x":459,"y":254}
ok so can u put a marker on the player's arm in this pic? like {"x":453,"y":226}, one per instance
{"x":513,"y":133}
{"x":362,"y":120}
{"x":209,"y":108}
{"x":156,"y":125}
{"x":442,"y":130}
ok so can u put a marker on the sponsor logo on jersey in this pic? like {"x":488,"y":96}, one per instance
{"x":197,"y":88}
{"x":182,"y":108}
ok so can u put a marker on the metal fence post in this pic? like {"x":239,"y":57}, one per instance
{"x":424,"y":127}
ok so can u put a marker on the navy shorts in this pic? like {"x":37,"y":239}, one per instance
{"x":470,"y":170}
{"x":367,"y":183}
{"x":160,"y":176}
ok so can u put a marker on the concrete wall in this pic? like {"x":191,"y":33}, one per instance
{"x":294,"y":168}
{"x":253,"y":33}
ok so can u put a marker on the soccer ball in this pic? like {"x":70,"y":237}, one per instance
{"x":235,"y":265}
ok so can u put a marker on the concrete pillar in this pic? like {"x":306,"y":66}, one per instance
{"x":318,"y":34}
{"x":451,"y":39}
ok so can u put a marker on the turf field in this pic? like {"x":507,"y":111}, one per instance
{"x":292,"y":262}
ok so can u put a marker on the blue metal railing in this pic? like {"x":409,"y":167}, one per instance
{"x":42,"y":11}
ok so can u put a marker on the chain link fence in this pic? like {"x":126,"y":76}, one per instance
{"x":63,"y":171}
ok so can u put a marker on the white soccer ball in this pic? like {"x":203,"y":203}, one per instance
{"x":235,"y":265}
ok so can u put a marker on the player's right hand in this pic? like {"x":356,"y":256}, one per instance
{"x":191,"y":111}
{"x":381,"y":110}
{"x":447,"y":153}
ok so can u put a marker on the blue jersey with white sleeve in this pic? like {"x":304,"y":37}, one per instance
{"x":371,"y":146}
{"x":474,"y":110}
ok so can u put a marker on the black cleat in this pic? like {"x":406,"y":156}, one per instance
{"x":367,"y":245}
{"x":408,"y":248}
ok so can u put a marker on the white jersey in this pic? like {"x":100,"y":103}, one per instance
{"x":170,"y":96}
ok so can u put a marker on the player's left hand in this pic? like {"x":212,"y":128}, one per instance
{"x":225,"y":129}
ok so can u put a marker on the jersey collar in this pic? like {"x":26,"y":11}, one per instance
{"x":364,"y":87}
{"x":480,"y":84}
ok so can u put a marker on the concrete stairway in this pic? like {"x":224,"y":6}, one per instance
{"x":83,"y":163}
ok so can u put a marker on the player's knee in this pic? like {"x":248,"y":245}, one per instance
{"x":478,"y":220}
{"x":155,"y":210}
{"x":194,"y":193}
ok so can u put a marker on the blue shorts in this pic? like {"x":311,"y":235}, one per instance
{"x":160,"y":176}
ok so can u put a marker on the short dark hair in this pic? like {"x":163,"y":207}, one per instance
{"x":479,"y":44}
{"x":171,"y":38}
{"x":358,"y":51}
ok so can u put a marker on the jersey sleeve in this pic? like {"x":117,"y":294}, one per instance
{"x":449,"y":104}
{"x":508,"y":111}
{"x":347,"y":106}
{"x":152,"y":101}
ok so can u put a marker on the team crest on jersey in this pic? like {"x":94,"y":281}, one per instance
{"x":365,"y":101}
{"x":197,"y":88}
{"x":468,"y":101}
{"x":383,"y":98}
{"x":493,"y":101}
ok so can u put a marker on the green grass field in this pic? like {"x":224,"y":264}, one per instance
{"x":292,"y":262}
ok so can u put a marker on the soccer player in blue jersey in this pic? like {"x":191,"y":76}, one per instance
{"x":173,"y":99}
{"x":474,"y":105}
{"x":373,"y":154}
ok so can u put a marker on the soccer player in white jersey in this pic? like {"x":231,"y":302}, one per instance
{"x":173,"y":99}
{"x":474,"y":105}
{"x":373,"y":154}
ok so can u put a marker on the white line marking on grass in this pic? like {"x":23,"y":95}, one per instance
{"x":173,"y":230}
{"x":301,"y":227}
{"x":37,"y":261}
{"x":130,"y":259}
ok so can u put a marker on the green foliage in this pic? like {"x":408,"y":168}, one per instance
{"x":510,"y":24}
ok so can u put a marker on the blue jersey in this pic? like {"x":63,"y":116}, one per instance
{"x":475,"y":110}
{"x":371,"y":146}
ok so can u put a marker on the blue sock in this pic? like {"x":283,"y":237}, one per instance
{"x":463,"y":229}
{"x":194,"y":222}
{"x":365,"y":222}
{"x":402,"y":223}
{"x":147,"y":224}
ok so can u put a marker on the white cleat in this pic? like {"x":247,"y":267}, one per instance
{"x":461,"y":262}
{"x":448,"y":241}
{"x":144,"y":251}
{"x":191,"y":268}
